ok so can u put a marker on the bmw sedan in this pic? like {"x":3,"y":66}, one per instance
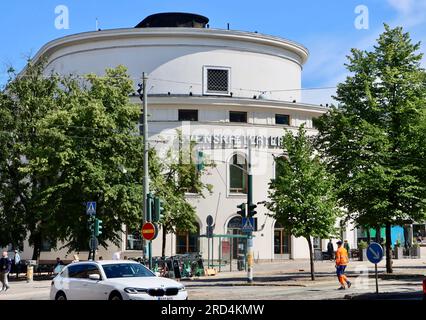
{"x":113,"y":280}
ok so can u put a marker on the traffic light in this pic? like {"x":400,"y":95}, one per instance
{"x":98,"y":227}
{"x":242,"y":211}
{"x":200,"y":161}
{"x":251,"y":211}
{"x":158,"y":209}
{"x":149,"y":207}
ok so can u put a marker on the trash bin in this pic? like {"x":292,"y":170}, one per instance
{"x":241,"y":262}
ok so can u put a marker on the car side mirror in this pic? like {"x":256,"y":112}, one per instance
{"x":95,"y":277}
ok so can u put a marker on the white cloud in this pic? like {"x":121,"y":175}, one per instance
{"x":403,"y":6}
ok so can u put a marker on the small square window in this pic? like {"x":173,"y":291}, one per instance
{"x":188,"y":115}
{"x":217,"y":81}
{"x":283,"y":119}
{"x":235,"y":116}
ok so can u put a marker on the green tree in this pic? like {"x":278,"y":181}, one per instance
{"x":302,"y":195}
{"x":171,"y":179}
{"x":374,"y":141}
{"x":83,"y":145}
{"x":67,"y":138}
{"x":24,"y":101}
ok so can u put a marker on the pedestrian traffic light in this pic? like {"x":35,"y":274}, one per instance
{"x":98,"y":227}
{"x":251,"y":211}
{"x":158,"y":209}
{"x":200,"y":161}
{"x":242,"y":211}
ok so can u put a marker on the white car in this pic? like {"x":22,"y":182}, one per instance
{"x":113,"y":280}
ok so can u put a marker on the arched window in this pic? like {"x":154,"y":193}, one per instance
{"x":282,"y":242}
{"x":238,"y":174}
{"x":187,"y":242}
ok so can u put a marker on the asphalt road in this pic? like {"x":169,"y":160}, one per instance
{"x":323,"y":290}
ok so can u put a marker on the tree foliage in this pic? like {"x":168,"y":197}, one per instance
{"x":302,"y":195}
{"x":374,"y":139}
{"x":172,"y":178}
{"x":66,"y":139}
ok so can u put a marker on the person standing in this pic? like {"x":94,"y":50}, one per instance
{"x":5,"y":266}
{"x":342,"y":261}
{"x":17,"y":263}
{"x":330,"y":250}
{"x":346,"y":246}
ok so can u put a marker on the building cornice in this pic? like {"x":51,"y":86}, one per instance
{"x":228,"y":35}
{"x":235,"y":102}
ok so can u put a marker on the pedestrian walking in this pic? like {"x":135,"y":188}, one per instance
{"x":346,"y":246}
{"x":330,"y":250}
{"x":5,"y":266}
{"x":342,"y":261}
{"x":76,"y":259}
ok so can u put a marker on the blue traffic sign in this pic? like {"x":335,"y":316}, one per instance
{"x":91,"y":208}
{"x":247,"y":225}
{"x":375,"y":253}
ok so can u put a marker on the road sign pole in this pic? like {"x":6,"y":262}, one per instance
{"x":377,"y":278}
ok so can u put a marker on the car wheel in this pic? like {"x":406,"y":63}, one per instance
{"x":60,"y":296}
{"x":115,"y":296}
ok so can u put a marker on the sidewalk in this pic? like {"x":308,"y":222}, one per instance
{"x":297,"y":273}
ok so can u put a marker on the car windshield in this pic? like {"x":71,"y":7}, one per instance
{"x":126,"y":270}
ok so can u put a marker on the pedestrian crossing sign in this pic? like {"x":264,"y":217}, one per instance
{"x":91,"y":208}
{"x":248,"y":224}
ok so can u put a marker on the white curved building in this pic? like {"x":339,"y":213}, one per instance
{"x":219,"y":87}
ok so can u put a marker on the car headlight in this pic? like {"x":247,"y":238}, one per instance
{"x":135,"y":290}
{"x":182,"y":288}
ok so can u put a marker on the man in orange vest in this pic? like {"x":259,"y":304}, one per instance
{"x":342,"y":261}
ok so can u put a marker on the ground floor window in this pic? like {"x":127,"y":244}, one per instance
{"x":282,"y":240}
{"x":134,"y":239}
{"x":187,"y":242}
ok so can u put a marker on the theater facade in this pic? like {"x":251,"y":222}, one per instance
{"x":226,"y":90}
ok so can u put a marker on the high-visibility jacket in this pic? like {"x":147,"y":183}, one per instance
{"x":342,"y":258}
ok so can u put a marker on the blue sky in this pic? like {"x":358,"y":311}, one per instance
{"x":326,"y":28}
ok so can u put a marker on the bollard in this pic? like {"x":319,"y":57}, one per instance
{"x":30,"y":273}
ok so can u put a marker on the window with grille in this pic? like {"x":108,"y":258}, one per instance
{"x":217,"y":81}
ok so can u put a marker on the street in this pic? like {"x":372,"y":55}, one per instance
{"x":288,"y":280}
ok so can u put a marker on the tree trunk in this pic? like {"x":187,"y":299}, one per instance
{"x":163,"y":245}
{"x":37,"y":247}
{"x":378,"y":229}
{"x":311,"y":256}
{"x":368,"y":236}
{"x":388,"y":249}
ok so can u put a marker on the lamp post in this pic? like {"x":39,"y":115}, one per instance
{"x":249,"y":203}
